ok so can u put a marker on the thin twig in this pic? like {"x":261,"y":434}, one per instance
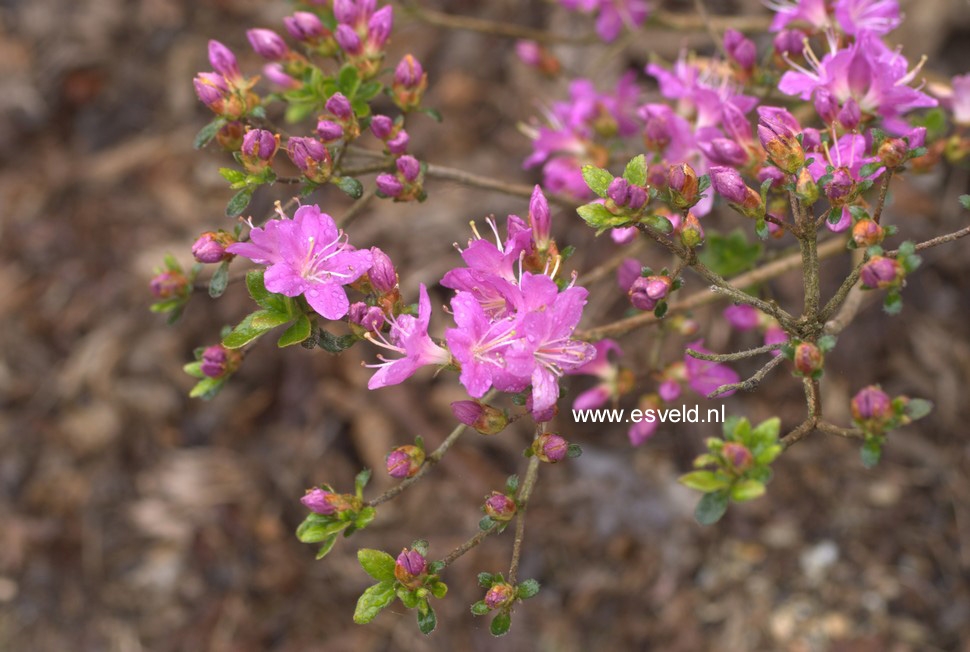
{"x":932,"y":242}
{"x":740,"y":355}
{"x":522,"y":498}
{"x":832,"y":429}
{"x":488,"y":183}
{"x":468,"y":545}
{"x":804,"y":428}
{"x":692,"y":22}
{"x":883,"y":191}
{"x":752,"y":382}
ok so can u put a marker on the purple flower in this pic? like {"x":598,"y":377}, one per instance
{"x":267,"y":44}
{"x":304,"y":26}
{"x":874,"y":16}
{"x":223,"y":60}
{"x":704,"y":376}
{"x":480,"y":345}
{"x":319,"y":501}
{"x":740,"y":49}
{"x":742,"y":316}
{"x":611,"y":15}
{"x":606,"y":370}
{"x":812,"y":12}
{"x":408,"y":337}
{"x":307,"y":255}
{"x":382,"y":275}
{"x":390,"y":185}
{"x":404,"y":462}
{"x":379,"y":27}
{"x":958,"y":101}
{"x":668,"y":390}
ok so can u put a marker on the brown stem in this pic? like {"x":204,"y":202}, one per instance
{"x":488,"y":183}
{"x":752,"y":382}
{"x":803,"y":429}
{"x":357,"y":207}
{"x":522,"y":498}
{"x":468,"y":545}
{"x":610,"y":264}
{"x":832,"y":429}
{"x":693,"y":22}
{"x":883,"y":191}
{"x":740,"y":355}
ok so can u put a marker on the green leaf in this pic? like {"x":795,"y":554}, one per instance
{"x":871,"y":452}
{"x":486,"y":523}
{"x":597,"y":179}
{"x":426,"y":619}
{"x":349,"y":185}
{"x":207,"y":388}
{"x":711,"y":507}
{"x":408,"y":598}
{"x":232,"y":175}
{"x":893,"y":303}
{"x":480,"y":608}
{"x":317,"y":527}
{"x":208,"y":132}
{"x":194,"y":369}
{"x":512,"y":484}
{"x":636,"y":171}
{"x":376,"y":563}
{"x":327,"y":546}
{"x":527,"y":589}
{"x":219,"y":280}
{"x":599,"y":216}
{"x":573,"y":450}
{"x":372,"y":600}
{"x":364,"y":517}
{"x":767,"y":454}
{"x":658,"y":223}
{"x":731,"y":254}
{"x":360,"y":481}
{"x":297,"y":111}
{"x":917,"y":408}
{"x":705,"y":481}
{"x":501,"y":623}
{"x":439,"y":589}
{"x":660,"y":310}
{"x":348,"y":79}
{"x":296,"y":333}
{"x":729,"y":425}
{"x":259,"y":293}
{"x":747,"y":490}
{"x":239,"y":202}
{"x":826,"y":343}
{"x":486,"y":580}
{"x":265,"y":320}
{"x":767,"y":431}
{"x":334,"y":344}
{"x":965,"y":201}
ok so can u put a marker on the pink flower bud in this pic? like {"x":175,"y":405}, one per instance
{"x":212,"y":90}
{"x":169,"y":284}
{"x":383,"y":276}
{"x":304,"y":26}
{"x":274,"y":72}
{"x":311,"y":157}
{"x":808,"y":359}
{"x":850,"y":115}
{"x":778,"y":139}
{"x":619,"y":191}
{"x":339,"y":105}
{"x":550,"y":448}
{"x":259,"y":144}
{"x":893,"y":152}
{"x":728,"y":183}
{"x":217,"y":361}
{"x":389,"y":185}
{"x":840,"y":186}
{"x":540,"y":219}
{"x":881,"y":272}
{"x":410,"y":567}
{"x":484,"y":418}
{"x":737,"y":456}
{"x":409,"y":72}
{"x":223,"y":60}
{"x":345,"y":11}
{"x":691,"y":231}
{"x":381,"y":126}
{"x":683,"y":180}
{"x":347,"y":39}
{"x":866,"y":233}
{"x":379,"y":26}
{"x":724,"y":151}
{"x":826,"y":106}
{"x":871,"y":404}
{"x":790,"y":42}
{"x":500,"y":595}
{"x":267,"y":44}
{"x":319,"y":501}
{"x":500,"y":507}
{"x":741,"y":316}
{"x":404,"y":462}
{"x":409,"y":168}
{"x":329,"y":131}
{"x":398,"y":144}
{"x":210,"y":247}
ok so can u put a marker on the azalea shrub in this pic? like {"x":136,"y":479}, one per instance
{"x":653,"y":162}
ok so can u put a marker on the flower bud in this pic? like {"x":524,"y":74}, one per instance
{"x":639,"y":297}
{"x":682,"y":181}
{"x":210,"y":247}
{"x":212,"y":90}
{"x":409,"y":72}
{"x":638,"y":198}
{"x":267,"y":44}
{"x":728,"y":183}
{"x":790,"y":42}
{"x":381,"y":126}
{"x":850,"y":115}
{"x":484,"y":418}
{"x":329,"y":131}
{"x":398,"y":144}
{"x":893,"y":152}
{"x":409,"y":168}
{"x":742,"y":316}
{"x":275,"y":73}
{"x":771,"y":172}
{"x":169,"y":284}
{"x":805,"y":187}
{"x":737,"y":455}
{"x":390,"y":185}
{"x":826,"y":106}
{"x":500,"y":507}
{"x":311,"y":157}
{"x":916,"y":137}
{"x":259,"y":145}
{"x":840,"y":186}
{"x":217,"y":361}
{"x":540,"y":219}
{"x":779,"y":141}
{"x":223,"y":60}
{"x":871,"y":404}
{"x":550,"y":448}
{"x":339,"y":105}
{"x":808,"y":359}
{"x":382,"y":274}
{"x":881,"y":272}
{"x":319,"y":501}
{"x":500,"y":595}
{"x":404,"y":461}
{"x":691,"y":232}
{"x":304,"y":26}
{"x":619,"y":191}
{"x":724,"y":151}
{"x":379,"y":27}
{"x":740,"y":49}
{"x":345,"y":11}
{"x":811,"y":139}
{"x":347,"y":39}
{"x":409,"y":568}
{"x":866,"y":233}
{"x":230,"y":136}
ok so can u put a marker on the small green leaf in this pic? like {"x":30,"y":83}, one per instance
{"x":439,"y":589}
{"x":327,"y":546}
{"x":486,"y":580}
{"x":239,"y":202}
{"x":658,"y":223}
{"x":371,"y":602}
{"x":729,"y":425}
{"x":731,"y":254}
{"x":711,"y":507}
{"x":660,"y":310}
{"x":408,"y":598}
{"x":512,"y":484}
{"x":208,"y":132}
{"x":636,"y":171}
{"x":871,"y":452}
{"x":893,"y":303}
{"x":232,"y":175}
{"x":480,"y":608}
{"x":599,"y":216}
{"x":486,"y":523}
{"x":317,"y":527}
{"x":349,"y":185}
{"x":206,"y":388}
{"x":917,"y":408}
{"x":527,"y":589}
{"x":219,"y":280}
{"x":574,"y":450}
{"x":767,"y":431}
{"x":597,"y":179}
{"x":501,"y":623}
{"x":334,"y":344}
{"x":376,"y":563}
{"x":869,"y":169}
{"x":426,"y":619}
{"x":747,"y":490}
{"x":296,"y":333}
{"x":348,"y":79}
{"x":194,"y":369}
{"x":364,"y":517}
{"x":265,"y":320}
{"x":360,"y":481}
{"x":704,"y":481}
{"x":826,"y":343}
{"x":965,"y":201}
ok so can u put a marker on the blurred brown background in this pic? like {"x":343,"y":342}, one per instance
{"x":132,"y":518}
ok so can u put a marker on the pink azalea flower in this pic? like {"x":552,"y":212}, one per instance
{"x":742,"y":316}
{"x":408,"y":337}
{"x":307,"y":255}
{"x":704,"y":376}
{"x":480,"y":344}
{"x":602,"y":367}
{"x":812,"y":12}
{"x":859,"y":16}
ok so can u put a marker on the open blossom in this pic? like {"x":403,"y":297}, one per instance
{"x":606,"y":370}
{"x":958,"y":100}
{"x":860,"y":16}
{"x":704,"y":376}
{"x":611,"y":15}
{"x":480,"y":345}
{"x":409,"y":338}
{"x":812,"y":12}
{"x":307,"y":255}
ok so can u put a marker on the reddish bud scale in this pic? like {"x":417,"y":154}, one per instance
{"x":404,"y":462}
{"x":409,"y":568}
{"x":500,"y":595}
{"x":866,"y":233}
{"x":808,"y":359}
{"x":871,"y":405}
{"x":500,"y":507}
{"x":737,"y":456}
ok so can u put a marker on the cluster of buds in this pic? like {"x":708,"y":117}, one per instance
{"x":482,"y":417}
{"x":648,"y":291}
{"x":342,"y":121}
{"x":365,"y":319}
{"x":225,"y":91}
{"x":405,"y":184}
{"x":391,"y":133}
{"x":258,"y":148}
{"x":623,"y":197}
{"x":306,"y":28}
{"x":405,"y":461}
{"x":740,"y":50}
{"x":876,"y":414}
{"x":362,"y":31}
{"x":311,"y":157}
{"x":410,"y":82}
